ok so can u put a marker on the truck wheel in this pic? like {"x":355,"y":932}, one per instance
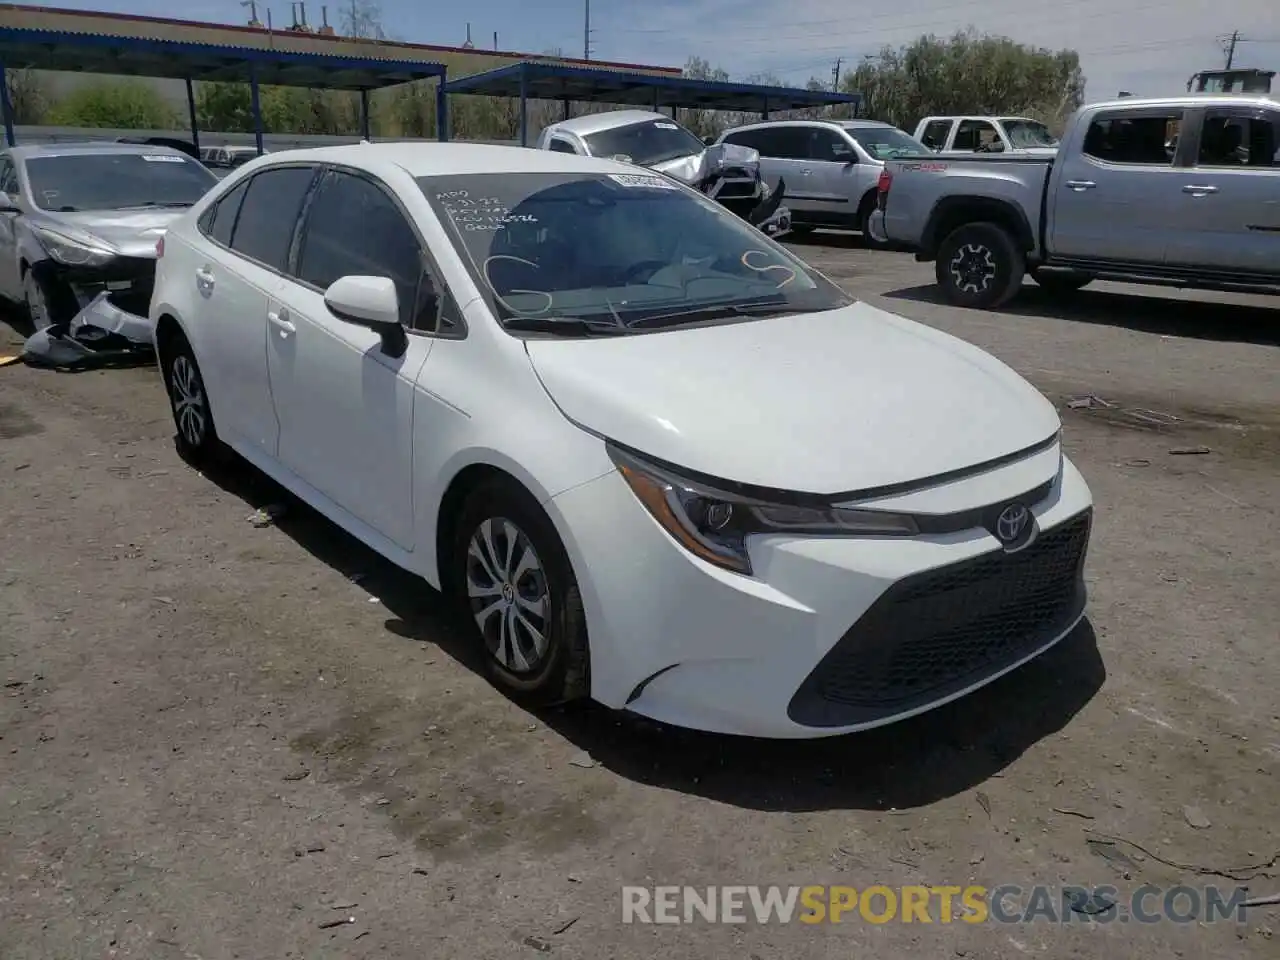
{"x":864,"y":224}
{"x":979,"y":265}
{"x":1060,"y":281}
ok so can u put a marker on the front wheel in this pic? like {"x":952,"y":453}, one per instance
{"x":1060,"y":281}
{"x":980,"y":266}
{"x":521,"y":595}
{"x":47,"y":302}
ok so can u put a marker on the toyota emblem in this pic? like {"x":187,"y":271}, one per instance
{"x":1012,"y":523}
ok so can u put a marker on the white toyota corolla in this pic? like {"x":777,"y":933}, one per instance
{"x":657,"y":458}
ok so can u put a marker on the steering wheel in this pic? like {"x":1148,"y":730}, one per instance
{"x":647,"y":267}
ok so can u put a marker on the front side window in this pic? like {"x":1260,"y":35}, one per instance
{"x":383,"y":244}
{"x":645,"y":143}
{"x":1028,"y":133}
{"x":1234,"y":139}
{"x":616,"y":252}
{"x":8,"y":176}
{"x":889,"y":143}
{"x":116,"y":180}
{"x":561,"y":146}
{"x":828,"y":145}
{"x":1149,"y":139}
{"x":269,"y":215}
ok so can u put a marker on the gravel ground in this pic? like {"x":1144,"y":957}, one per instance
{"x":217,"y":738}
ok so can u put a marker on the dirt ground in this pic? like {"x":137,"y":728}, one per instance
{"x":217,"y":738}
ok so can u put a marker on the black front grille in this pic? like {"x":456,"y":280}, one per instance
{"x":938,"y":632}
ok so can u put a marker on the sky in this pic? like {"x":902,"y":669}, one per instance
{"x":1146,"y":47}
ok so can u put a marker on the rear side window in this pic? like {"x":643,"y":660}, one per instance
{"x":781,"y":143}
{"x":1149,"y":140}
{"x":220,"y":219}
{"x":935,"y":134}
{"x":269,"y":213}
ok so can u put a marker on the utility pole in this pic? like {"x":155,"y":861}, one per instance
{"x":586,"y":31}
{"x":1231,"y":48}
{"x":835,"y":75}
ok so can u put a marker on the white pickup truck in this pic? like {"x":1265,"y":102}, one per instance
{"x":1178,"y":191}
{"x":964,"y":136}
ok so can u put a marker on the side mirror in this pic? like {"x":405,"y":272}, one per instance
{"x":370,"y":302}
{"x":8,"y":204}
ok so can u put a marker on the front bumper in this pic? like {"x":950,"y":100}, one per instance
{"x":832,"y":635}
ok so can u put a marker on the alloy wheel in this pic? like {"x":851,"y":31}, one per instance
{"x":508,"y":595}
{"x":189,"y":409}
{"x":973,"y":268}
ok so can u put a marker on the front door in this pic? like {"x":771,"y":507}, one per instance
{"x":1114,"y":195}
{"x":10,"y":282}
{"x":1226,"y":215}
{"x":835,"y":173}
{"x":344,"y":404}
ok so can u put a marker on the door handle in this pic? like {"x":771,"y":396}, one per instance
{"x":204,"y":280}
{"x":280,"y":320}
{"x":806,"y":173}
{"x":1199,"y":190}
{"x":1079,"y":186}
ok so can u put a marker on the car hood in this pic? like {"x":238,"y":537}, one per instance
{"x":834,"y":402}
{"x":133,"y":232}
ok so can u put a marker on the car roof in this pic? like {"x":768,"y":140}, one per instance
{"x":426,"y":159}
{"x":1190,"y":100}
{"x":596,"y":122}
{"x":90,"y":148}
{"x":818,"y":122}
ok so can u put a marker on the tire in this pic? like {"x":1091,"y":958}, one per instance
{"x":46,"y":300}
{"x":197,"y":437}
{"x":504,"y":615}
{"x":864,"y":224}
{"x":980,"y":266}
{"x":1060,"y":281}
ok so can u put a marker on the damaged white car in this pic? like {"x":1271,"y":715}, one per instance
{"x":725,"y":172}
{"x":79,"y":224}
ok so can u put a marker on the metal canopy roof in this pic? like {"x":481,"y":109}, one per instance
{"x":549,"y":81}
{"x":144,"y":57}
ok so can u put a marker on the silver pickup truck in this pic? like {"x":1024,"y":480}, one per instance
{"x":1178,"y":191}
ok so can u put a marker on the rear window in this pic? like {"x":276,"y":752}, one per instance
{"x":269,"y":215}
{"x":116,"y":181}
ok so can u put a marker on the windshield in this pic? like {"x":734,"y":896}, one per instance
{"x":620,"y":251}
{"x":645,"y":143}
{"x":888,"y":143}
{"x":116,"y":181}
{"x":1029,"y":133}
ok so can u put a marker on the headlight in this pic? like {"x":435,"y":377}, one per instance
{"x":714,"y":524}
{"x":72,"y":252}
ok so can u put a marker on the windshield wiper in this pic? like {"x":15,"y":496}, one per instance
{"x":157,"y":203}
{"x":564,"y":326}
{"x":772,"y":306}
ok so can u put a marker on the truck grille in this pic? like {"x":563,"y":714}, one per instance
{"x":938,"y":632}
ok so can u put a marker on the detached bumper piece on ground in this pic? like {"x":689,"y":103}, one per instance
{"x":103,"y":334}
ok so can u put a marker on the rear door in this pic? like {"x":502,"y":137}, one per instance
{"x":1114,"y":193}
{"x":235,"y":274}
{"x":1227,"y":213}
{"x":784,"y":153}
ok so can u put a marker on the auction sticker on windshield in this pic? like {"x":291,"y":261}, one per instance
{"x":642,"y":180}
{"x":161,"y":158}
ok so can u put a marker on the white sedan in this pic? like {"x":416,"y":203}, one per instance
{"x":658,"y":460}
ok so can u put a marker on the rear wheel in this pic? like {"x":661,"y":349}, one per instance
{"x":864,"y":224}
{"x":514,"y":576}
{"x":197,"y":438}
{"x":1060,"y":281}
{"x":979,"y":265}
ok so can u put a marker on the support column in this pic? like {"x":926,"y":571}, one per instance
{"x":364,"y":114}
{"x":191,"y":110}
{"x":442,"y":109}
{"x":524,"y":106}
{"x":6,"y":106}
{"x":764,"y":114}
{"x":564,"y":113}
{"x":255,"y":106}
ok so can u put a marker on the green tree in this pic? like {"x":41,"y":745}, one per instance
{"x":121,"y":105}
{"x":228,"y":108}
{"x":27,"y":96}
{"x":968,"y":73}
